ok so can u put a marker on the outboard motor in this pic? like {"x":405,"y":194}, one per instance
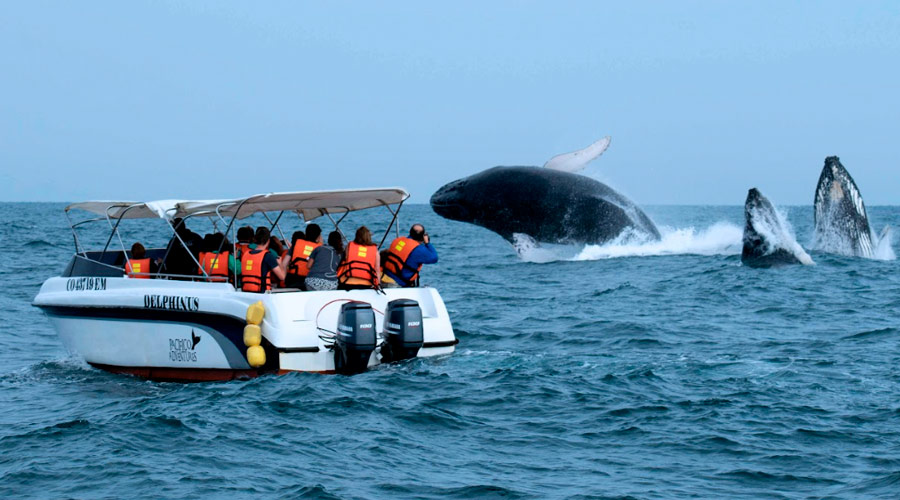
{"x":402,"y":330}
{"x":355,"y":338}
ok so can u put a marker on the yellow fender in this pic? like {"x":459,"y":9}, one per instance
{"x":252,"y":335}
{"x":255,"y":313}
{"x":256,"y":356}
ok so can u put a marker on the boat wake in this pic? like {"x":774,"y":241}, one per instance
{"x":722,"y":238}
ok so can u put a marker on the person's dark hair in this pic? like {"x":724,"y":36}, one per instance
{"x":138,"y":251}
{"x":262,"y":235}
{"x":275,"y":244}
{"x":208,"y":245}
{"x":336,"y":242}
{"x":245,"y":234}
{"x":313,"y":231}
{"x":182,"y":229}
{"x":298,"y":235}
{"x":417,"y":232}
{"x":218,"y":241}
{"x":363,"y":236}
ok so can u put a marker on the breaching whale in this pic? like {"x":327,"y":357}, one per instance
{"x":842,"y":225}
{"x":549,"y":205}
{"x":767,"y":242}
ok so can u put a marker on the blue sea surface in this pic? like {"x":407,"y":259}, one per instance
{"x":654,"y":371}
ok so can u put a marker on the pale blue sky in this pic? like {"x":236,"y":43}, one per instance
{"x":218,"y":99}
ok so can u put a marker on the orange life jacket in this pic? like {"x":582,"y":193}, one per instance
{"x":242,"y":249}
{"x":215,"y":265}
{"x":200,"y":258}
{"x":135,"y":267}
{"x":359,"y":263}
{"x":300,"y":257}
{"x":251,"y":272}
{"x":397,"y":255}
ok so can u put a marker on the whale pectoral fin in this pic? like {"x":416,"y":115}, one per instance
{"x":577,"y":160}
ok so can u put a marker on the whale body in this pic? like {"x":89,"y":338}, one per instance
{"x":767,"y":242}
{"x":550,"y":206}
{"x":842,"y":225}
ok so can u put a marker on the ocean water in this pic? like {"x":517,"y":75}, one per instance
{"x":665,"y":370}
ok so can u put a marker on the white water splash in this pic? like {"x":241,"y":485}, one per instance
{"x":778,"y":233}
{"x":883,"y":249}
{"x":722,"y":238}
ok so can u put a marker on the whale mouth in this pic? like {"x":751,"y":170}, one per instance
{"x":451,"y":210}
{"x":447,"y":202}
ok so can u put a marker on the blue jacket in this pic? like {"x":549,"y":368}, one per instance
{"x":422,"y":254}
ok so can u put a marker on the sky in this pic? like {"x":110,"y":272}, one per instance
{"x":215,"y":99}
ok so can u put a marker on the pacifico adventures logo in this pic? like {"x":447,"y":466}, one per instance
{"x":183,"y":350}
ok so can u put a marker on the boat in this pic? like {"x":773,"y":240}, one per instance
{"x":195,"y":328}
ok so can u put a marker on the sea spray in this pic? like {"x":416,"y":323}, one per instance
{"x":722,"y":238}
{"x":772,"y":224}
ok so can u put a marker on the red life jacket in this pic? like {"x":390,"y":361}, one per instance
{"x":251,"y":272}
{"x":359,"y":263}
{"x":215,"y":265}
{"x":397,"y":255}
{"x":300,"y":257}
{"x":135,"y":267}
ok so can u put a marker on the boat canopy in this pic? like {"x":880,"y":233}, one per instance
{"x":310,"y":204}
{"x":129,"y":209}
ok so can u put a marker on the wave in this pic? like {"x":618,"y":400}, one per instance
{"x":722,"y":238}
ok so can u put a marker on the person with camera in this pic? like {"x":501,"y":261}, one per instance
{"x":406,"y":256}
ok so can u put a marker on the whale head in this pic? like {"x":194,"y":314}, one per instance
{"x":480,"y":199}
{"x":841,"y":223}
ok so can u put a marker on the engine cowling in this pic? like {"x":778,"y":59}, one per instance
{"x":355,"y":339}
{"x":403,"y":330}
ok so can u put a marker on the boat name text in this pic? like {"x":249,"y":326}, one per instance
{"x":80,"y":284}
{"x":172,"y":302}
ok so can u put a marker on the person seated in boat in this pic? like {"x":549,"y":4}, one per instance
{"x":182,"y":258}
{"x":406,"y":256}
{"x":259,"y":262}
{"x":139,"y":265}
{"x":323,"y":263}
{"x":359,"y":270}
{"x":301,"y":249}
{"x":205,"y":247}
{"x":278,"y":248}
{"x":244,"y":240}
{"x":213,"y":260}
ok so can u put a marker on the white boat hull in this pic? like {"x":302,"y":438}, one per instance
{"x":180,"y":330}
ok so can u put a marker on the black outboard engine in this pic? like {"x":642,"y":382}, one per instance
{"x":355,"y":338}
{"x":402,"y":330}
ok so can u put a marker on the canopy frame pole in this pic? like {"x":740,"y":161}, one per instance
{"x":184,"y":223}
{"x":337,"y":225}
{"x":75,"y":233}
{"x":395,"y":213}
{"x":275,"y":224}
{"x":229,"y":227}
{"x":115,"y":231}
